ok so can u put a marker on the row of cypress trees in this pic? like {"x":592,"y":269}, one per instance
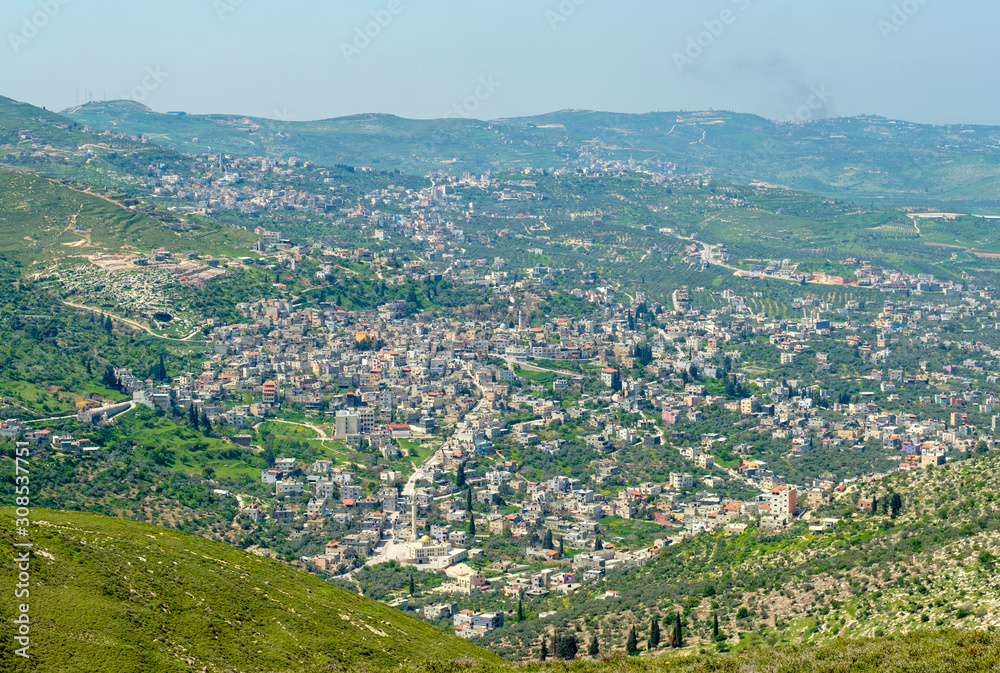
{"x":566,"y":646}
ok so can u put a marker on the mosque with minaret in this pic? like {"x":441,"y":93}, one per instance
{"x":425,"y":551}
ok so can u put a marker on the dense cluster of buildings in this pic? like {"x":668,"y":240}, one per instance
{"x":381,"y":379}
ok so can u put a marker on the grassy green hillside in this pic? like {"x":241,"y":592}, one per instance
{"x":927,"y":651}
{"x":45,"y":142}
{"x":924,"y":652}
{"x":42,"y":220}
{"x":114,"y":595}
{"x":382,"y":141}
{"x":16,"y":118}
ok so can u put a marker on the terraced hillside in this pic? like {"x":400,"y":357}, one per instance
{"x":44,"y":221}
{"x":932,"y":565}
{"x":114,"y":595}
{"x":929,"y":651}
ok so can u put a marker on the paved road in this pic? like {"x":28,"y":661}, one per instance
{"x":53,"y":418}
{"x":663,"y":334}
{"x":61,"y":418}
{"x":425,"y":469}
{"x":131,"y":407}
{"x":318,"y":430}
{"x":391,"y":547}
{"x":131,"y":322}
{"x":534,"y":368}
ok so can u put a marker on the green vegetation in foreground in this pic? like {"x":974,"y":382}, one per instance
{"x":931,"y":566}
{"x":114,"y":595}
{"x":920,"y":652}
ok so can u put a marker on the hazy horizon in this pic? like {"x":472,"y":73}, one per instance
{"x":915,"y":60}
{"x":494,"y":119}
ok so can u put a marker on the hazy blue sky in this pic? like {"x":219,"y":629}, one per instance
{"x":920,"y":60}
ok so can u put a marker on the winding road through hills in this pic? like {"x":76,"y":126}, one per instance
{"x":133,"y":323}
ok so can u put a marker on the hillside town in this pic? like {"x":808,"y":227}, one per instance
{"x":591,"y":439}
{"x":460,"y":417}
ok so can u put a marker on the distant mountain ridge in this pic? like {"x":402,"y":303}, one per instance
{"x":853,"y":157}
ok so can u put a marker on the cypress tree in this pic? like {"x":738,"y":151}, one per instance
{"x":594,"y":648}
{"x":654,"y":633}
{"x":631,"y":648}
{"x":193,"y":417}
{"x":468,"y":500}
{"x":544,"y":653}
{"x":520,"y":610}
{"x":715,"y":626}
{"x":566,"y":647}
{"x":598,"y":545}
{"x":562,"y":549}
{"x":472,"y":524}
{"x":413,"y":588}
{"x":161,"y":370}
{"x":460,"y":475}
{"x":206,"y":424}
{"x":678,"y":638}
{"x":547,"y":544}
{"x":895,"y":504}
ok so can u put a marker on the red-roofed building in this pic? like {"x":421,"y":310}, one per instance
{"x":270,"y":392}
